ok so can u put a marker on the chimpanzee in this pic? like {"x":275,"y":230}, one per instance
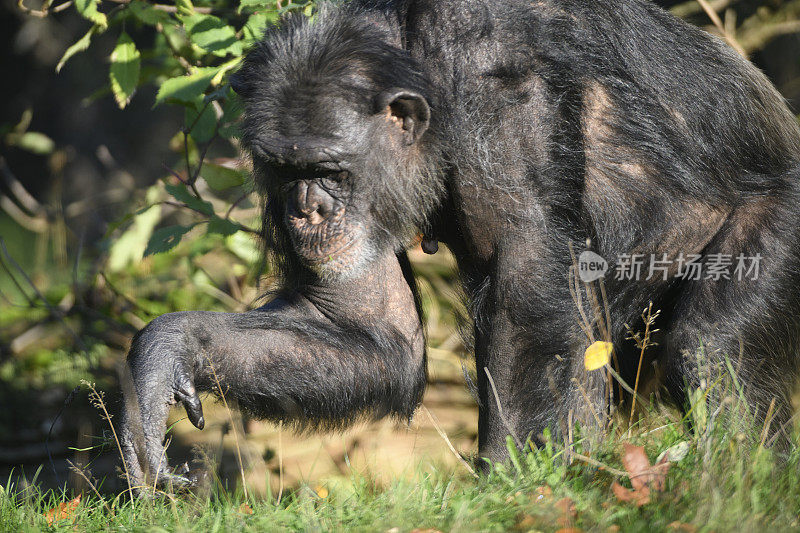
{"x":521,"y":134}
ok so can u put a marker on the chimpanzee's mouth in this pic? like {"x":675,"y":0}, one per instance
{"x":317,"y":239}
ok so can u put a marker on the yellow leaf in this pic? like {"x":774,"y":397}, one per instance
{"x":597,"y":355}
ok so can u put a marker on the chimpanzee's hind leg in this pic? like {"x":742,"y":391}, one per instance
{"x":753,"y":318}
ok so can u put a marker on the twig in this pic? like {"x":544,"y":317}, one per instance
{"x":57,"y":313}
{"x":721,"y":27}
{"x":599,"y":465}
{"x":449,"y":444}
{"x":164,"y":7}
{"x":588,"y":401}
{"x":25,"y":198}
{"x":67,"y":401}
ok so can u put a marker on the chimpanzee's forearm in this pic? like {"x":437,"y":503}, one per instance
{"x":289,"y":362}
{"x":320,"y":356}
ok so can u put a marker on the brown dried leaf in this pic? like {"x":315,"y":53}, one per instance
{"x":680,"y":526}
{"x":541,"y":493}
{"x":527,"y":522}
{"x":641,"y":473}
{"x":636,"y":464}
{"x":567,"y":512}
{"x":637,"y":497}
{"x":64,"y":511}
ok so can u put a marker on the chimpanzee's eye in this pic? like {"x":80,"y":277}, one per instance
{"x":330,"y":181}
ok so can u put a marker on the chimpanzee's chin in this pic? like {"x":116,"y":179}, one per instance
{"x":346,"y":264}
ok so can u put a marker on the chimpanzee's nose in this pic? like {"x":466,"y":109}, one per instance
{"x":312,"y":201}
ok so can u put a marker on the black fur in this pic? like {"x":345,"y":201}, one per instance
{"x":512,"y":131}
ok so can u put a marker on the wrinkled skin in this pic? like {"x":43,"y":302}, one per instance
{"x":510,"y":131}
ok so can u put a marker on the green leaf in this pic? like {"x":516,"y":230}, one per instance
{"x":220,"y":178}
{"x":165,"y":239}
{"x":148,"y":14}
{"x":222,"y":226}
{"x":80,"y":46}
{"x":185,"y":7}
{"x":253,"y":29}
{"x":124,"y":70}
{"x":203,"y":124}
{"x":35,"y":142}
{"x":212,"y":34}
{"x":130,"y":246}
{"x":186,"y":89}
{"x":88,"y":10}
{"x":260,"y":5}
{"x":182,"y":194}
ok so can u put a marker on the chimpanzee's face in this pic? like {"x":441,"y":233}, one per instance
{"x":329,"y":160}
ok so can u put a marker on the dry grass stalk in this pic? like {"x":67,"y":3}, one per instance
{"x":442,"y":434}
{"x":96,"y":398}
{"x":500,"y":412}
{"x":731,"y":40}
{"x":233,"y":427}
{"x":79,"y":471}
{"x":642,"y":342}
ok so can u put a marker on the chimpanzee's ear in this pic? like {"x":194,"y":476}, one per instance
{"x":239,"y":84}
{"x":408,"y":110}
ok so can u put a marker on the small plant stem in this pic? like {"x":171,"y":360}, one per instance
{"x":447,"y":441}
{"x":643,"y":347}
{"x":100,"y":404}
{"x":233,"y":428}
{"x":500,"y":410}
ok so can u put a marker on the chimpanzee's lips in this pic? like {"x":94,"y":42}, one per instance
{"x":318,"y":242}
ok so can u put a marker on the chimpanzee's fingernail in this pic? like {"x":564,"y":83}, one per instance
{"x":430,"y":246}
{"x":194,"y":408}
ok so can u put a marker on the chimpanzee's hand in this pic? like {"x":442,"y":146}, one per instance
{"x":162,"y":372}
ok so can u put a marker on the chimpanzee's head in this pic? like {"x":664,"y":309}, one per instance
{"x":336,"y":119}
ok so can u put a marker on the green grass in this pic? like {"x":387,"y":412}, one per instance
{"x":728,"y":481}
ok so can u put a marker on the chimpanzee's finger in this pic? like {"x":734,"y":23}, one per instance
{"x":187,"y":395}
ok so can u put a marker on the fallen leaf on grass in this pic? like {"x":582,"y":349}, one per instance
{"x":64,"y":511}
{"x":641,"y":473}
{"x":567,"y":512}
{"x":638,"y":497}
{"x":645,"y":478}
{"x":245,"y":509}
{"x":680,"y":526}
{"x":541,"y":493}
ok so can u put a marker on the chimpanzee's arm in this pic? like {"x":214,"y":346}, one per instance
{"x":320,"y":356}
